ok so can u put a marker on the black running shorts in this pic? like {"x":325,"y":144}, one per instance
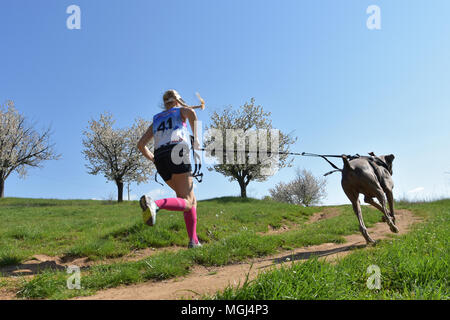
{"x":164,"y":164}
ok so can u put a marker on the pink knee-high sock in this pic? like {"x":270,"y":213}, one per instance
{"x":190,"y":218}
{"x":172,"y":204}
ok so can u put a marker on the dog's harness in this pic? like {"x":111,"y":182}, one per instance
{"x":379,"y":162}
{"x":374,"y":161}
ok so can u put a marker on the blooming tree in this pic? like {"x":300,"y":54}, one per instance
{"x":240,"y":142}
{"x":21,"y":146}
{"x":305,"y":189}
{"x":113,"y":152}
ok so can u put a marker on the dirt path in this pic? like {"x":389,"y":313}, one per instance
{"x":40,"y":262}
{"x":204,"y":280}
{"x":326,"y":213}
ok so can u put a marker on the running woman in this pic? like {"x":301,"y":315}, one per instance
{"x":171,"y":158}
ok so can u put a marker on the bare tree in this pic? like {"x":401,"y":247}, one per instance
{"x":244,"y":124}
{"x":113,"y":152}
{"x":21,"y":146}
{"x":304,"y":190}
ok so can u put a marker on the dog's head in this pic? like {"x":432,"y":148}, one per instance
{"x":388,"y":159}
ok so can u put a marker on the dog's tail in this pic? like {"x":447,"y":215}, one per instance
{"x":346,"y":162}
{"x":332,"y":172}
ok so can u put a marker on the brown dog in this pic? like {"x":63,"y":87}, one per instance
{"x":372,"y":177}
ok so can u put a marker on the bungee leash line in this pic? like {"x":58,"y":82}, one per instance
{"x":198,"y":175}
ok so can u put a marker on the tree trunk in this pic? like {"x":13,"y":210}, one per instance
{"x":2,"y":188}
{"x":119,"y":191}
{"x":243,"y":186}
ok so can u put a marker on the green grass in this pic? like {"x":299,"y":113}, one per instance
{"x":229,"y":245}
{"x":232,"y":230}
{"x":414,"y":266}
{"x":100,"y":229}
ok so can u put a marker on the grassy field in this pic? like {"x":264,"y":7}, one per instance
{"x":102,"y":229}
{"x":232,"y":230}
{"x":415,"y":266}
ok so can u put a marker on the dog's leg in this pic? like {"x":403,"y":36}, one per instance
{"x":375,"y":204}
{"x":390,"y":199}
{"x":362,"y":227}
{"x":382,"y":200}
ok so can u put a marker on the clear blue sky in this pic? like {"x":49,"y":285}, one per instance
{"x":340,"y":87}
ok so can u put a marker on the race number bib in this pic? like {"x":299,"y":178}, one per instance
{"x":168,"y":128}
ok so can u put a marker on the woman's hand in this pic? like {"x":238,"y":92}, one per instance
{"x":196,"y":144}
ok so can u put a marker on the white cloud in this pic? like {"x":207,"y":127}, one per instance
{"x":156,"y":193}
{"x":416,"y":190}
{"x":133,"y":197}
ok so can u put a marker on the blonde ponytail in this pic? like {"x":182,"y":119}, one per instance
{"x":173,"y":95}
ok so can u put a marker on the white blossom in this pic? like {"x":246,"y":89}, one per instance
{"x":20,"y":145}
{"x":240,"y":159}
{"x":305,"y":189}
{"x":114,"y":153}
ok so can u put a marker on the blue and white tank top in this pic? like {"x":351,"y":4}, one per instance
{"x":169,"y":128}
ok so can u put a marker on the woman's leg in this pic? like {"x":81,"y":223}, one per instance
{"x":183,"y":186}
{"x":173,"y":204}
{"x":151,"y":207}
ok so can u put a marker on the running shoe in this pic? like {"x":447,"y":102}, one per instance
{"x":192,"y":244}
{"x":149,"y":209}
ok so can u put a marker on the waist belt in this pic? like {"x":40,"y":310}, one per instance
{"x":197,"y":174}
